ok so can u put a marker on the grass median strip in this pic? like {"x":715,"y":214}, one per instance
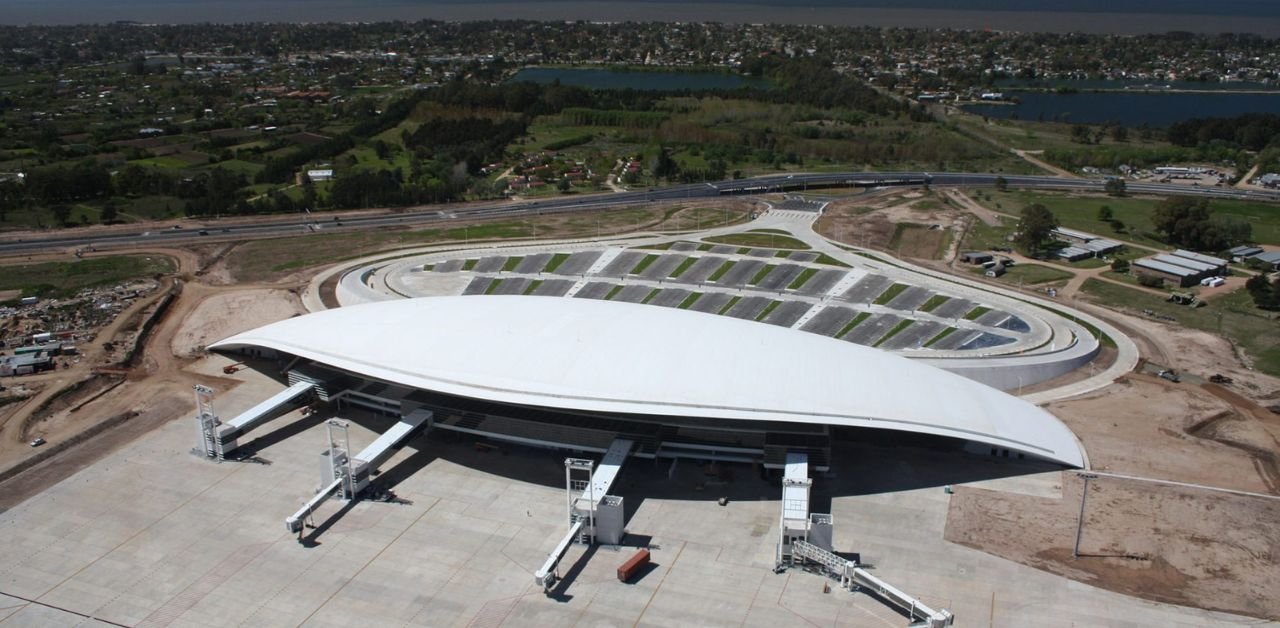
{"x":804,"y":276}
{"x":862,"y":316}
{"x":942,"y":334}
{"x":533,"y":286}
{"x":612,"y":291}
{"x":762,"y":273}
{"x":644,"y":263}
{"x":768,"y":309}
{"x":511,"y":264}
{"x":729,"y":306}
{"x":889,"y":294}
{"x":652,"y":293}
{"x":894,"y":332}
{"x":469,"y":264}
{"x":690,"y":300}
{"x":556,"y":261}
{"x":493,"y":285}
{"x":724,"y":268}
{"x":688,"y":261}
{"x":933,"y":302}
{"x":976,"y":312}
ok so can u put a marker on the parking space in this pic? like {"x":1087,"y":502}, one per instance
{"x":724,"y":249}
{"x":711,"y":302}
{"x":479,"y":285}
{"x":632,"y":294}
{"x":684,"y":246}
{"x":986,"y":340}
{"x":830,"y":320}
{"x":779,"y":278}
{"x":578,"y":263}
{"x":449,"y":266}
{"x":802,"y":256}
{"x":821,"y":282}
{"x":788,"y":313}
{"x":491,"y":264}
{"x":622,"y":264}
{"x":955,"y":340}
{"x":869,"y":331}
{"x":954,"y":308}
{"x":595,"y":290}
{"x":553,"y":288}
{"x":910,"y":299}
{"x":671,"y":297}
{"x":867,"y":289}
{"x":762,"y":252}
{"x":514,"y":285}
{"x":749,"y":308}
{"x":993,"y":318}
{"x":533,"y":263}
{"x":1013,"y":323}
{"x":701,"y":269}
{"x":913,"y":336}
{"x":662,"y":267}
{"x":741,"y":273}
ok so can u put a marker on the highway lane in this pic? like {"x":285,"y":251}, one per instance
{"x":753,"y":186}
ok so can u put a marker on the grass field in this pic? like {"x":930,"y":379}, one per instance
{"x":64,"y":279}
{"x":760,"y":240}
{"x":1081,"y":212}
{"x":1233,"y":317}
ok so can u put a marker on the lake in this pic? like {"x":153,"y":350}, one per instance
{"x":643,"y":80}
{"x":1131,"y":109}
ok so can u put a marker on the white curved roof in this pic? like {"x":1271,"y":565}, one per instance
{"x":605,"y":356}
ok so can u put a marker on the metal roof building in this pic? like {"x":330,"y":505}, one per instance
{"x":603,"y":360}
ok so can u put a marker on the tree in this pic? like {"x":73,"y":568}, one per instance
{"x":1119,"y":133}
{"x":1115,"y":187}
{"x":1120,"y":265}
{"x":564,"y":184}
{"x":1188,"y":222}
{"x":1002,"y":184}
{"x":1265,"y":292}
{"x":109,"y":213}
{"x":1035,"y":228}
{"x":1105,"y":214}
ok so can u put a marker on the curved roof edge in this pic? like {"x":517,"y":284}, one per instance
{"x":530,"y":351}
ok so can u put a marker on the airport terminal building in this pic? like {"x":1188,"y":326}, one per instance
{"x":579,"y":374}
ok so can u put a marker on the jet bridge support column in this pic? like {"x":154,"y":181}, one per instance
{"x":592,"y":513}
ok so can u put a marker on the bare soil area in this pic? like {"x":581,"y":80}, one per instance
{"x":1148,"y":427}
{"x":872,"y":223}
{"x":227,"y":313}
{"x":1161,"y":542}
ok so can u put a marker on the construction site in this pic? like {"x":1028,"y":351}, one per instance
{"x":766,"y":422}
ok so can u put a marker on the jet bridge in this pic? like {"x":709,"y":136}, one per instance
{"x":593,"y":514}
{"x":807,"y":537}
{"x":217,"y":439}
{"x":345,"y":476}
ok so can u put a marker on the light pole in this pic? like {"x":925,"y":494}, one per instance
{"x":1075,"y":551}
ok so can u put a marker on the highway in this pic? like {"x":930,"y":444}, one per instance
{"x":223,"y":230}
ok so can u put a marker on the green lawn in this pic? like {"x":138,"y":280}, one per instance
{"x":889,"y":294}
{"x":64,"y":279}
{"x":760,"y":240}
{"x":1232,"y":316}
{"x":1081,"y":212}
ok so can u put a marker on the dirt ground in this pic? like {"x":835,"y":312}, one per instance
{"x":226,"y":313}
{"x":1167,"y":543}
{"x":871,"y":222}
{"x":1147,"y":427}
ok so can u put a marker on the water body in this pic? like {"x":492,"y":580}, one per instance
{"x":1090,"y":16}
{"x":1136,"y":85}
{"x":600,"y":78}
{"x":1157,"y":110}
